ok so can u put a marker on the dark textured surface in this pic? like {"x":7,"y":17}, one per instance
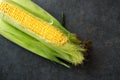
{"x":97,"y":20}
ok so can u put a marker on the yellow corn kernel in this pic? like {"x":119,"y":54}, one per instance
{"x":38,"y":26}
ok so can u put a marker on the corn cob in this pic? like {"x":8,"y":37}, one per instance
{"x":31,"y":27}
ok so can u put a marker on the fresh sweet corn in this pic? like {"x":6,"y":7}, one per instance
{"x":29,"y":26}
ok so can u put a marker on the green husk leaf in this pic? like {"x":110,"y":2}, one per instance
{"x":27,"y":42}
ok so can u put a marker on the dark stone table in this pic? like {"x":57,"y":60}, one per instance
{"x":95,"y":20}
